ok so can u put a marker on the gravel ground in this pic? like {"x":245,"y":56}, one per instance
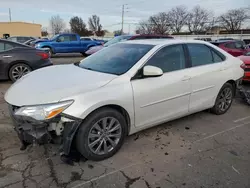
{"x":198,"y":151}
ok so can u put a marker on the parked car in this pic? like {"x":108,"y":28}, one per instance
{"x":29,"y":42}
{"x":234,"y":47}
{"x":120,"y":38}
{"x":204,"y":39}
{"x":246,"y":59}
{"x":67,"y":43}
{"x":36,"y":41}
{"x":20,"y":39}
{"x":17,"y":60}
{"x":224,"y":39}
{"x":92,"y":39}
{"x":123,"y":89}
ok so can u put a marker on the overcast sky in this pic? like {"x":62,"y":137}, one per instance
{"x":108,"y":10}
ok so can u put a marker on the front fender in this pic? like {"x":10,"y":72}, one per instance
{"x":118,"y":94}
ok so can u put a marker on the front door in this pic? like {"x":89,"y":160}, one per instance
{"x":159,"y":99}
{"x":62,"y":44}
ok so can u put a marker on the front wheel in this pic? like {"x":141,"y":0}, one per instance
{"x":102,"y":134}
{"x":224,"y":99}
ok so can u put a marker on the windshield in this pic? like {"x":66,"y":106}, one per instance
{"x":116,"y":59}
{"x":54,"y":37}
{"x":116,"y":40}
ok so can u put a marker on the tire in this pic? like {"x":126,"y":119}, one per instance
{"x":92,"y":136}
{"x":50,"y":51}
{"x":84,"y":54}
{"x":18,"y":70}
{"x":224,"y":99}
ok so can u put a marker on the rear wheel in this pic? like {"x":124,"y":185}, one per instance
{"x":18,"y":70}
{"x":224,"y":99}
{"x":102,"y":134}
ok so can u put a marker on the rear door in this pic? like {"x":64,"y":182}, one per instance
{"x":5,"y":57}
{"x":75,"y":45}
{"x":206,"y":69}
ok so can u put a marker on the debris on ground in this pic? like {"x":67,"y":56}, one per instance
{"x":245,"y":94}
{"x":235,"y":170}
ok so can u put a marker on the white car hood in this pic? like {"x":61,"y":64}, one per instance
{"x":51,"y":84}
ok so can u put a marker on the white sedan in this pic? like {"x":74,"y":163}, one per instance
{"x":120,"y":90}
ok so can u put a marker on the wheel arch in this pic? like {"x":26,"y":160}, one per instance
{"x":50,"y":47}
{"x":116,"y":107}
{"x":233,"y":83}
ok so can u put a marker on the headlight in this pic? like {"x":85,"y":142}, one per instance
{"x":43,"y":112}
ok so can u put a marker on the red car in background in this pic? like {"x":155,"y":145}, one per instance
{"x":120,"y":38}
{"x":233,"y":47}
{"x":246,"y":66}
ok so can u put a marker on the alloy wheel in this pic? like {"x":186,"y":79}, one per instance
{"x":20,"y":71}
{"x":104,"y":136}
{"x":225,"y":99}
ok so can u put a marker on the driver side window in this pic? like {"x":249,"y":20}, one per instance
{"x":170,"y":58}
{"x":64,"y":38}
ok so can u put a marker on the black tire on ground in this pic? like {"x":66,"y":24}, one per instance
{"x":19,"y":67}
{"x":217,"y":108}
{"x":84,"y":54}
{"x":82,"y":136}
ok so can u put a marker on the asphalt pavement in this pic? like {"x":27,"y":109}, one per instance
{"x":199,"y":151}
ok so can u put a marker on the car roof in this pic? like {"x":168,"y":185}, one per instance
{"x":163,"y":41}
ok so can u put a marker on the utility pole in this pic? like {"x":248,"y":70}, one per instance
{"x":123,"y":11}
{"x":10,"y":14}
{"x":122,"y":18}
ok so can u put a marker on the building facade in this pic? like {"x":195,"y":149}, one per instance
{"x":20,"y":29}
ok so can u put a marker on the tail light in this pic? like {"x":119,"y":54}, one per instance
{"x":243,"y":66}
{"x":43,"y":55}
{"x":102,"y":43}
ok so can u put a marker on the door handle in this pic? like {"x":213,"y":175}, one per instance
{"x":185,"y":78}
{"x":6,"y":56}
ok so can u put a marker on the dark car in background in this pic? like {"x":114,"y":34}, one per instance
{"x":117,"y":39}
{"x":17,"y":60}
{"x":20,"y":39}
{"x":233,"y":47}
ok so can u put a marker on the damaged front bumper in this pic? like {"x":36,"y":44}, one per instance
{"x":59,"y":130}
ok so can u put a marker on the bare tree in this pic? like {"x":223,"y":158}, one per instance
{"x":67,"y":30}
{"x":145,"y":28}
{"x":95,"y":26}
{"x":233,"y":19}
{"x":57,"y":24}
{"x":178,"y":17}
{"x":198,"y":20}
{"x":160,"y":23}
{"x":44,"y":32}
{"x":156,"y":24}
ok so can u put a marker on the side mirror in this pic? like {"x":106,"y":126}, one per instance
{"x":152,"y":71}
{"x":58,"y":40}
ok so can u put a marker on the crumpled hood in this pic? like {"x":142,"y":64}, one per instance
{"x":51,"y":84}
